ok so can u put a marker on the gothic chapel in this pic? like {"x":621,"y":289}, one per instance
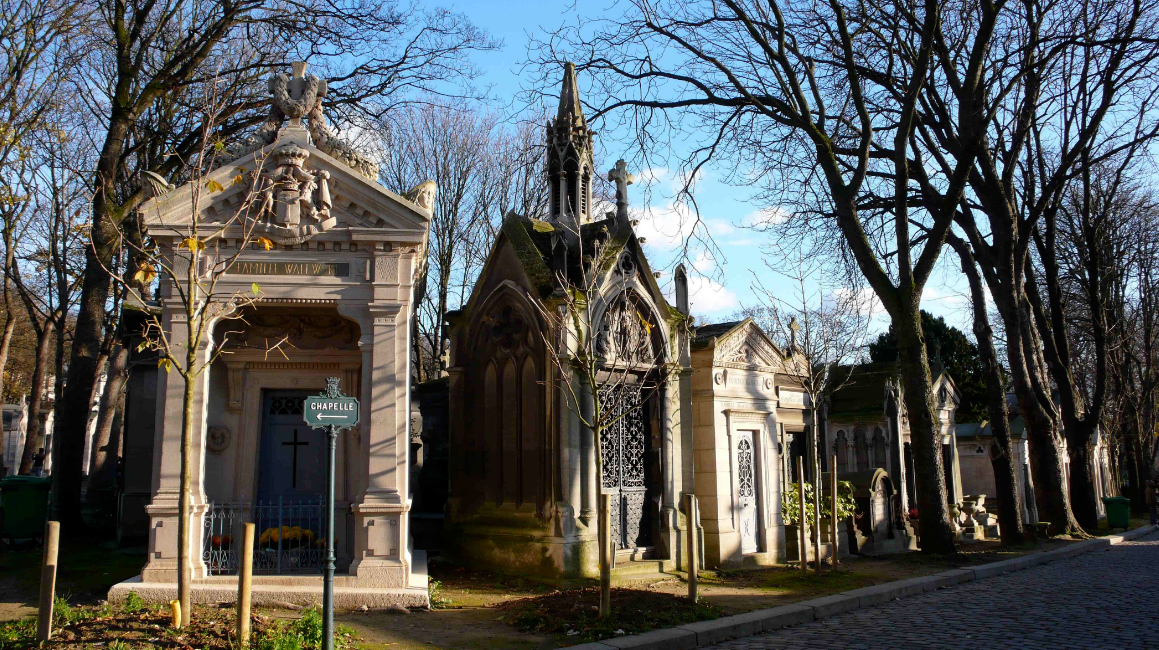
{"x":523,"y":485}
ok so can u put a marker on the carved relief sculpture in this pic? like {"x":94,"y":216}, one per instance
{"x":299,"y":96}
{"x":293,"y":203}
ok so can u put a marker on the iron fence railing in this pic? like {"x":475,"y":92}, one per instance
{"x":288,"y":536}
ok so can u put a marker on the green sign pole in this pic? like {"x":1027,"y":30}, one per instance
{"x":331,"y":411}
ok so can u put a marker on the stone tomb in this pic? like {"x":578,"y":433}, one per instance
{"x":524,"y":490}
{"x":735,"y":434}
{"x":336,"y":291}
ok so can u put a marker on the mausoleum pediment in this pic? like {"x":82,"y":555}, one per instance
{"x":746,"y":345}
{"x":290,"y":191}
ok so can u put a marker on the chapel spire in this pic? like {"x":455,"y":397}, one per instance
{"x":569,"y":158}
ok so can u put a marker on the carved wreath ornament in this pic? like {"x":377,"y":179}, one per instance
{"x":217,"y":439}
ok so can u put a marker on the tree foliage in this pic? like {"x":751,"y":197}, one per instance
{"x":957,"y":354}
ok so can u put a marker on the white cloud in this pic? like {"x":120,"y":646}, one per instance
{"x":651,"y":175}
{"x":707,"y":297}
{"x":667,"y":227}
{"x":764,"y":217}
{"x":948,"y":299}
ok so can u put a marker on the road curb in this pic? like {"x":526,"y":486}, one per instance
{"x":705,"y":633}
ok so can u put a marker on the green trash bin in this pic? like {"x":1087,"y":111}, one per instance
{"x":1118,"y":512}
{"x":25,"y":503}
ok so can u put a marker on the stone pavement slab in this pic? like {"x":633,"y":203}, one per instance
{"x":1106,"y":598}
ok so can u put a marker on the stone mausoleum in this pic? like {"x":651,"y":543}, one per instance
{"x":336,"y":291}
{"x":524,"y":489}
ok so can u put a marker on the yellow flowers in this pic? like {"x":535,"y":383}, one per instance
{"x":145,"y":273}
{"x":264,"y":242}
{"x":286,"y":534}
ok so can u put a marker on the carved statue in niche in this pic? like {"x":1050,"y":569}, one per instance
{"x":625,"y":335}
{"x":262,"y":330}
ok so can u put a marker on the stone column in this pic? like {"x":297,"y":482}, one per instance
{"x":163,"y":510}
{"x":381,"y":553}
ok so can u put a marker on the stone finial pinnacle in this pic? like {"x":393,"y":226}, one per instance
{"x":571,"y":112}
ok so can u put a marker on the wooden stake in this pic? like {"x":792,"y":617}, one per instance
{"x":48,"y":581}
{"x":801,"y":527}
{"x":690,"y":507}
{"x":244,"y":585}
{"x":605,"y":542}
{"x":833,"y":513}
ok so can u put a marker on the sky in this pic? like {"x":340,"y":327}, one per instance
{"x":719,"y":285}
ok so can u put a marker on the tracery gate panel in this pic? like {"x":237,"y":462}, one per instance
{"x":623,"y":454}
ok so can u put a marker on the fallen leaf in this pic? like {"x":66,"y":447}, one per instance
{"x":213,"y":186}
{"x":264,"y":242}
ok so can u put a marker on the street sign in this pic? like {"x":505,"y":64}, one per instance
{"x":331,"y":411}
{"x":325,"y":410}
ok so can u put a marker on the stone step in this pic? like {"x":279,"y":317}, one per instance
{"x":637,"y":568}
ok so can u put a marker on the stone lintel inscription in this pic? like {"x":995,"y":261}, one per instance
{"x":321,"y":269}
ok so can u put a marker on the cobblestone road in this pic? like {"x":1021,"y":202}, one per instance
{"x":1102,"y":599}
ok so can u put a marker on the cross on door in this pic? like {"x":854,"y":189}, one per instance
{"x":294,"y":460}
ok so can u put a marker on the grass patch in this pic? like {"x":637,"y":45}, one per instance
{"x":85,"y":626}
{"x":85,"y":571}
{"x":573,"y":615}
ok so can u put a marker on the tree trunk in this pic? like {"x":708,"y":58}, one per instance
{"x":925,"y":435}
{"x":184,"y":528}
{"x":815,"y":463}
{"x":1083,"y":489}
{"x":1046,"y":461}
{"x":1001,"y":456}
{"x":72,"y":424}
{"x":6,"y":340}
{"x":103,"y":463}
{"x":34,"y":433}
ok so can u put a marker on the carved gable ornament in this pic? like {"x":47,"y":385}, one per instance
{"x":749,"y":347}
{"x":293,"y":202}
{"x":627,"y":334}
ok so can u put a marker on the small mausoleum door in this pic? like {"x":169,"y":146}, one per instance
{"x":746,"y":491}
{"x":291,"y":459}
{"x":624,"y":447}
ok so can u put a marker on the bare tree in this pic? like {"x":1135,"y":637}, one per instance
{"x":46,"y":270}
{"x":451,"y":146}
{"x":184,"y":258}
{"x":144,"y":74}
{"x":827,"y":329}
{"x":1001,"y":453}
{"x":1061,"y":88}
{"x":32,"y":58}
{"x":817,"y":105}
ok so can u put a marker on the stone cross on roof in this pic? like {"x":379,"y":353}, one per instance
{"x":620,"y":176}
{"x":794,"y":327}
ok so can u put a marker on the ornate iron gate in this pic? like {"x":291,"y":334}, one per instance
{"x":623,"y":454}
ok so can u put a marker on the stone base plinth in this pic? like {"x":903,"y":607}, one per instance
{"x":274,"y":591}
